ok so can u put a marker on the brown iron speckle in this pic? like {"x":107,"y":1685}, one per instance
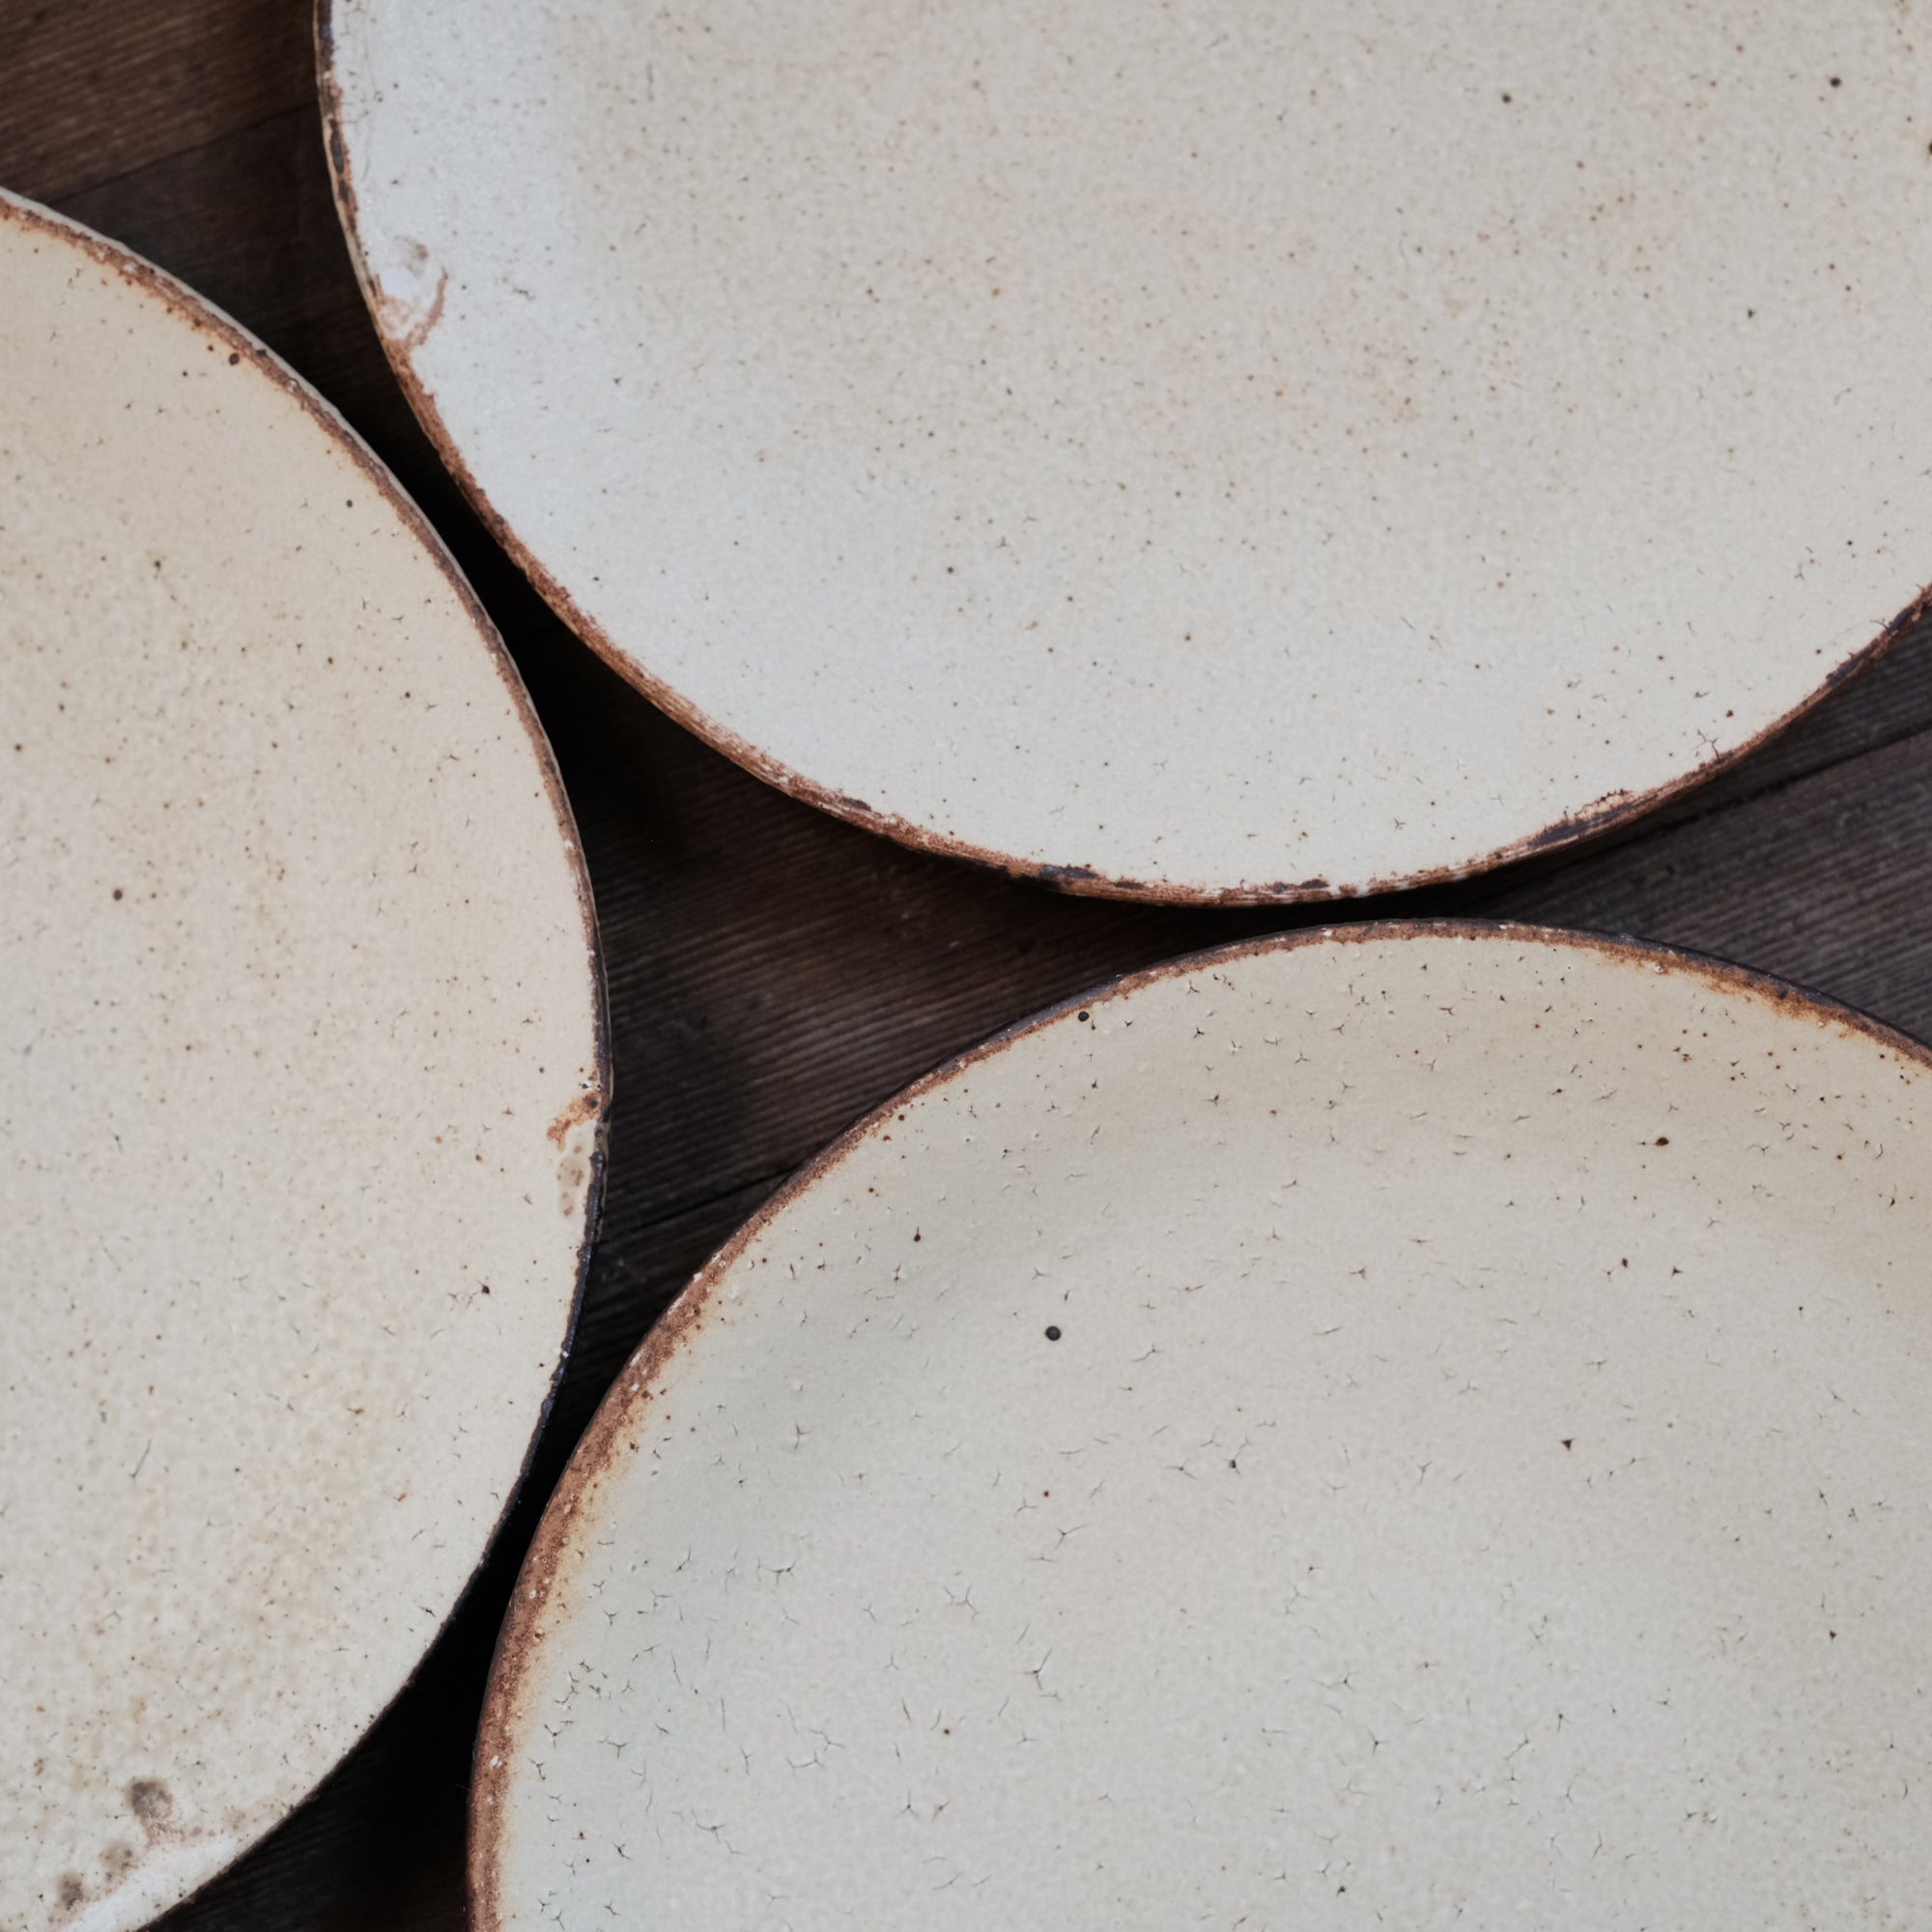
{"x":583,"y":1108}
{"x":149,"y":1800}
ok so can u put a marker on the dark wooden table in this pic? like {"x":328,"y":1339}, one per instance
{"x":774,"y":974}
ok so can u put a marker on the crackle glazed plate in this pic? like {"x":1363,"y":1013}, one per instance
{"x":302,"y":1022}
{"x":1241,"y":451}
{"x":1414,"y":1426}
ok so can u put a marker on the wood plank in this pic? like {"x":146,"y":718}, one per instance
{"x":95,"y":88}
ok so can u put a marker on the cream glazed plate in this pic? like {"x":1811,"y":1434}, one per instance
{"x":302,"y":1022}
{"x":1413,"y":1426}
{"x":1260,"y":449}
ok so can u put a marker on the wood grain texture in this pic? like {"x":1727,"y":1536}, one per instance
{"x":95,"y":88}
{"x":773,"y":973}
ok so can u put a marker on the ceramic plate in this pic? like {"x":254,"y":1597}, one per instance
{"x":1407,"y":1427}
{"x":1239,"y":451}
{"x":302,"y":1022}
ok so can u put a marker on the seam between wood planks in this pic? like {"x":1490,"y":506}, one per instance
{"x":59,"y":202}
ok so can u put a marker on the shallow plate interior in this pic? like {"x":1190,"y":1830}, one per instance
{"x":1416,"y":1428}
{"x":300,"y":1020}
{"x":1244,"y":451}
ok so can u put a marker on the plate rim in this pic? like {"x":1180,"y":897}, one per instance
{"x":175,"y":299}
{"x":596,"y":1450}
{"x":1608,"y":814}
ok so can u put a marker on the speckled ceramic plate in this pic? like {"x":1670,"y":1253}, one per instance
{"x":300,"y":1017}
{"x":1248,"y":450}
{"x":1408,"y":1426}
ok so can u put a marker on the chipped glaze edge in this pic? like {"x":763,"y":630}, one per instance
{"x":597,"y":1450}
{"x":178,"y":301}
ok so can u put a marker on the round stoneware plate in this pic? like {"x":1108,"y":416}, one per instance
{"x":1413,"y":1427}
{"x":1242,"y":450}
{"x":300,"y":1017}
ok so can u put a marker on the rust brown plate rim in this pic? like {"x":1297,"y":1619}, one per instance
{"x":597,"y":1448}
{"x":177,"y":299}
{"x":1608,"y":814}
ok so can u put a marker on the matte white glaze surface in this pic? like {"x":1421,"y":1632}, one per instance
{"x":1245,"y":449}
{"x":1479,"y":1481}
{"x":300,"y":1024}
